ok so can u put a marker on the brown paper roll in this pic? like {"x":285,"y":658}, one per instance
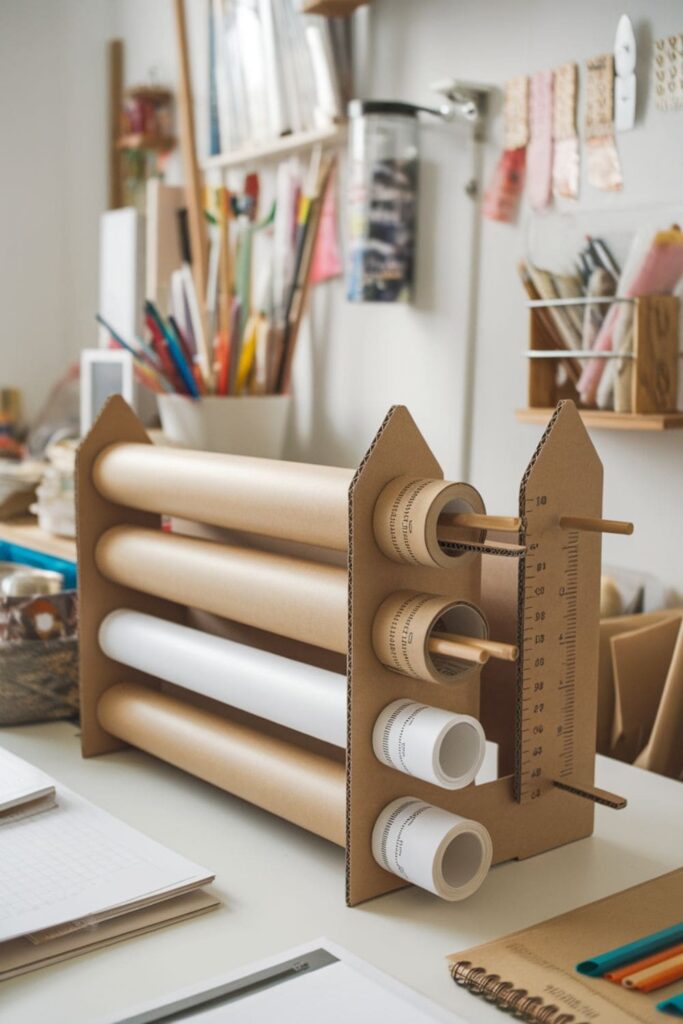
{"x":303,"y":600}
{"x":406,"y":517}
{"x":403,"y":625}
{"x":305,"y":788}
{"x":291,"y":500}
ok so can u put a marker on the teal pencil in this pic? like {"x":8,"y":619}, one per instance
{"x":632,"y":951}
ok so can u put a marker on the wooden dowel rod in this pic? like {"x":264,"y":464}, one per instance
{"x":591,"y":525}
{"x":444,"y":643}
{"x":494,"y":648}
{"x":478,"y":521}
{"x":193,"y":188}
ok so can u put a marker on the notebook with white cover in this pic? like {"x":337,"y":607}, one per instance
{"x":78,"y":865}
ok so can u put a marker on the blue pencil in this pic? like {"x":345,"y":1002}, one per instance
{"x":174,"y":350}
{"x":141,"y":357}
{"x":672,"y":1005}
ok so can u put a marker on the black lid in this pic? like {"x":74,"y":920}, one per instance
{"x":357,"y":108}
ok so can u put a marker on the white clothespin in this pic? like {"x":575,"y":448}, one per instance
{"x":625,"y":76}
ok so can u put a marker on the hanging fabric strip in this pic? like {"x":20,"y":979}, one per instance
{"x":566,"y":151}
{"x":501,"y":200}
{"x":541,"y":144}
{"x":604,"y":170}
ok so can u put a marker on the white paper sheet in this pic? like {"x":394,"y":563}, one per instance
{"x":77,"y":862}
{"x":315,"y":983}
{"x":20,"y":782}
{"x":336,"y":995}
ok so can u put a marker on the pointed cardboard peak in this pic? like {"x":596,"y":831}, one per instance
{"x":116,"y":422}
{"x":399,"y":433}
{"x":566,"y":443}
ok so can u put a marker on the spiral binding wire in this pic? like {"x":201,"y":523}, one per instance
{"x":505,"y":996}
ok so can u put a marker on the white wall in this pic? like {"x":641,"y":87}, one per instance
{"x":366,"y":359}
{"x":52,"y":185}
{"x":355,"y":360}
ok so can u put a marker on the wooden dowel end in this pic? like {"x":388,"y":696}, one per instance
{"x":445,"y":644}
{"x":493,"y":648}
{"x":594,"y":525}
{"x":480,"y":521}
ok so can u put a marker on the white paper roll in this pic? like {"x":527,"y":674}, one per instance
{"x":294,"y":694}
{"x":434,"y":745}
{"x":439,"y":851}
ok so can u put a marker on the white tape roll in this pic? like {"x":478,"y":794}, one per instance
{"x":437,"y":746}
{"x":432,"y":848}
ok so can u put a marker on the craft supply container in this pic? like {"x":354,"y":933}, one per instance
{"x":382,"y":200}
{"x":233,"y":424}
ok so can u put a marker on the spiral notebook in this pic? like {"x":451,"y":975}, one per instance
{"x":532,"y":972}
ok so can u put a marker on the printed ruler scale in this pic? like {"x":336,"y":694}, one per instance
{"x":559,"y":615}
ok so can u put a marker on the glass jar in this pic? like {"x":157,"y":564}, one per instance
{"x":382,"y":200}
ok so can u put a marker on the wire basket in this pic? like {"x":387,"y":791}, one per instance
{"x":38,"y":658}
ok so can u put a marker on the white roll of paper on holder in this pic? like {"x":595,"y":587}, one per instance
{"x":437,"y":746}
{"x":432,"y":848}
{"x":292,"y":693}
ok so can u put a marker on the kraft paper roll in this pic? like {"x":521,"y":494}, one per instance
{"x":406,"y":517}
{"x":403,"y":625}
{"x":438,"y":746}
{"x":290,"y":500}
{"x":296,"y":695}
{"x":439,"y":851}
{"x":303,"y":600}
{"x":305,"y":788}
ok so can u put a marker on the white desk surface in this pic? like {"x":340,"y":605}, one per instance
{"x":282,"y":886}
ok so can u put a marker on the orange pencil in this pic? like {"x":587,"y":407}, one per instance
{"x":640,"y":965}
{"x":658,"y":976}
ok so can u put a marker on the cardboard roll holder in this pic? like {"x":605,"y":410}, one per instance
{"x":385,"y":575}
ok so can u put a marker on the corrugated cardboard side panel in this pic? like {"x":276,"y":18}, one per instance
{"x":517,"y":830}
{"x":398,"y":450}
{"x":610,"y":628}
{"x":567,"y":471}
{"x":96,"y":595}
{"x":499,"y":594}
{"x":664,"y":750}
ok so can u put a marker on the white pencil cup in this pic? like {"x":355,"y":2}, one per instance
{"x":233,"y":424}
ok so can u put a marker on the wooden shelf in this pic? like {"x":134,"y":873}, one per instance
{"x":151,"y":93}
{"x":601,"y":419}
{"x":138,"y":140}
{"x":276,"y":149}
{"x":27,"y":534}
{"x":333,"y":8}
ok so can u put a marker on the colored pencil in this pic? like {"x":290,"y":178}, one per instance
{"x":597,"y":966}
{"x":652,"y":978}
{"x":640,"y":965}
{"x":174,"y":350}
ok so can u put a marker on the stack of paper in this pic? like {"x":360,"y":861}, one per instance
{"x":75,"y":878}
{"x":23,"y":789}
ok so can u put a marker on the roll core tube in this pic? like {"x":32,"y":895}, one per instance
{"x":404,"y":624}
{"x":441,"y":747}
{"x":300,"y":599}
{"x":406,"y":517}
{"x":432,"y":848}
